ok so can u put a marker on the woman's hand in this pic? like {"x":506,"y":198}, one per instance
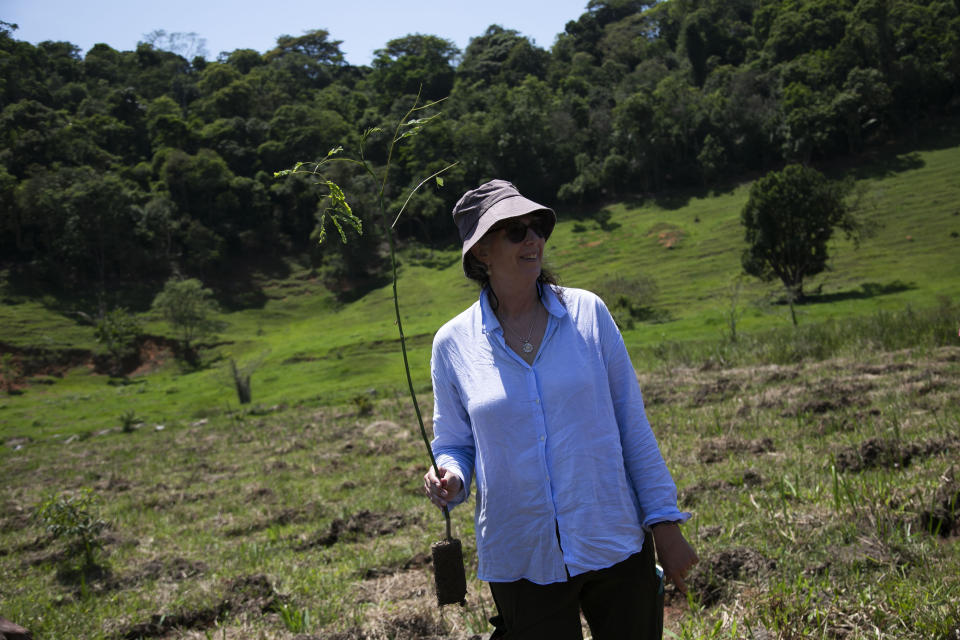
{"x":675,"y":554}
{"x":443,"y":489}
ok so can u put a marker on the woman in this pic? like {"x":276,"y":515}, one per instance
{"x":535,"y":395}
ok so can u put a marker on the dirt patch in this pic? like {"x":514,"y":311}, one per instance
{"x":246,"y":594}
{"x":261,"y":493}
{"x":417,"y":561}
{"x":283,"y":517}
{"x":151,"y":353}
{"x":888,"y":453}
{"x":14,"y":518}
{"x":36,"y":361}
{"x":689,"y":496}
{"x":162,"y":624}
{"x":174,"y":569}
{"x":716,"y":391}
{"x":717,"y":449}
{"x":363,"y":524}
{"x":405,"y":626}
{"x":943,"y":518}
{"x":831,"y":396}
{"x":415,"y":625}
{"x":112,"y":482}
{"x":884,"y":369}
{"x":872,"y":453}
{"x":159,"y":502}
{"x":711,"y":580}
{"x":780,"y":375}
{"x":668,"y":236}
{"x":32,"y":553}
{"x":98,"y":578}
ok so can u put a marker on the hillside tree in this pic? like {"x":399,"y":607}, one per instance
{"x":789,"y":219}
{"x":188,"y":307}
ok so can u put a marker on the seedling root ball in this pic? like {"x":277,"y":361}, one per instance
{"x":448,"y":573}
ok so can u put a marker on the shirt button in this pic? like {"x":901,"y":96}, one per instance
{"x":537,"y":400}
{"x":542,"y":438}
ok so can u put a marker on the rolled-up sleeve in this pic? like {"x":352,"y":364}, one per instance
{"x":453,"y":444}
{"x":651,"y":480}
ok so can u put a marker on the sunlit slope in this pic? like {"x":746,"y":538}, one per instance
{"x":311,"y":349}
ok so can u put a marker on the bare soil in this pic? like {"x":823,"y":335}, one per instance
{"x":363,"y":524}
{"x":245,"y":594}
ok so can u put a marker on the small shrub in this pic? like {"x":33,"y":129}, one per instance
{"x":118,"y":331}
{"x":189,"y":308}
{"x":76,"y":520}
{"x":128,"y":420}
{"x":364,"y":404}
{"x":630,"y":299}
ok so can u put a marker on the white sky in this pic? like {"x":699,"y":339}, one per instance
{"x":362,"y":25}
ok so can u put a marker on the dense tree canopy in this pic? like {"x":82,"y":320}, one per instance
{"x":120,"y":167}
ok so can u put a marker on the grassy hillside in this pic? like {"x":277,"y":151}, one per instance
{"x":315,"y":351}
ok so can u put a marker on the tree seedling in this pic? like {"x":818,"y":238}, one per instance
{"x":76,"y":520}
{"x":449,"y":576}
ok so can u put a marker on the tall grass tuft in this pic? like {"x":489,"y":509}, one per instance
{"x":883,"y":331}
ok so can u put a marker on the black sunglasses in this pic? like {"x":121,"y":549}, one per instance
{"x":517,"y":230}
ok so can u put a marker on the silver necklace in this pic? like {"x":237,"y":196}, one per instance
{"x":525,"y":344}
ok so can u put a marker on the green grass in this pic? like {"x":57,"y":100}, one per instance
{"x":310,"y":519}
{"x":316,"y":351}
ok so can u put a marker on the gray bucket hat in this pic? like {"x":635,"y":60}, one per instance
{"x":481,"y":208}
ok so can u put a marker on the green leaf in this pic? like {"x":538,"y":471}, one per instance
{"x":340,"y":213}
{"x":369,"y":132}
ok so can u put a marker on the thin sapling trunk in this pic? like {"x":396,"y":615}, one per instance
{"x":449,"y":574}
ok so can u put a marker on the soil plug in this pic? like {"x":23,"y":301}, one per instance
{"x":448,"y":573}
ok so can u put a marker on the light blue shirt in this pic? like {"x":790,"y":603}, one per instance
{"x":560,"y":445}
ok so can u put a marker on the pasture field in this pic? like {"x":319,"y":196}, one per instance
{"x":824,"y":497}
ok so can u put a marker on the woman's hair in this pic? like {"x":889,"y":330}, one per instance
{"x":477,"y":271}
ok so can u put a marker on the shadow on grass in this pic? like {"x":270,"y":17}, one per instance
{"x":867,"y":290}
{"x":678,"y":197}
{"x":885,"y":159}
{"x":888,"y":165}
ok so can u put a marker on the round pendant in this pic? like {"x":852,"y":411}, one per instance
{"x":526,"y":347}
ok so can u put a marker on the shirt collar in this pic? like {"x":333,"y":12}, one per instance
{"x":490,"y":322}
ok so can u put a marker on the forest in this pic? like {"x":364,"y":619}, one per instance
{"x":120,"y":169}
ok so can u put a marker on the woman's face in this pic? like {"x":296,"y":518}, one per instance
{"x":513,"y":249}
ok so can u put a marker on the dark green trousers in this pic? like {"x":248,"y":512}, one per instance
{"x":621,"y":602}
